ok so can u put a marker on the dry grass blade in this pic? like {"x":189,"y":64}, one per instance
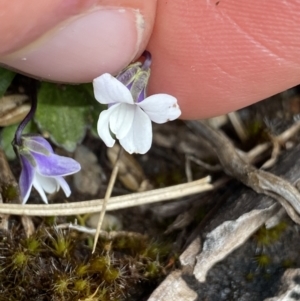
{"x":119,"y":202}
{"x":289,"y":133}
{"x":238,"y":125}
{"x":110,"y":187}
{"x":252,"y":155}
{"x":209,"y":167}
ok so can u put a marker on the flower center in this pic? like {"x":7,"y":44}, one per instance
{"x":136,"y":76}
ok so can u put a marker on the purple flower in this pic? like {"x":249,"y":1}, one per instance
{"x":42,"y":168}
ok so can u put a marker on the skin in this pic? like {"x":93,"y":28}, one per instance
{"x":214,"y":56}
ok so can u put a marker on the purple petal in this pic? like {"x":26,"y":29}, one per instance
{"x":26,"y":179}
{"x":126,"y":77}
{"x":42,"y":143}
{"x":54,"y":165}
{"x":142,"y":96}
{"x":34,"y":147}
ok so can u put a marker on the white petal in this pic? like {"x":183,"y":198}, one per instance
{"x":160,"y":107}
{"x":139,"y":138}
{"x":103,"y":126}
{"x":64,"y":185}
{"x":48,"y":184}
{"x":40,"y":190}
{"x":121,"y":120}
{"x":109,"y":90}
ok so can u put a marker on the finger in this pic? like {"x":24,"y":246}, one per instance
{"x":73,"y":41}
{"x":218,"y":56}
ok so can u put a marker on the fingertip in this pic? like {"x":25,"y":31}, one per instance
{"x":103,"y":38}
{"x":219,"y":56}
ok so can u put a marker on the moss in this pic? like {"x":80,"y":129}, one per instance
{"x":81,"y":285}
{"x":62,"y":286}
{"x":288,"y":264}
{"x":32,"y":245}
{"x":58,"y":264}
{"x":255,"y":128}
{"x":61,"y":244}
{"x":263,"y":260}
{"x":111,"y":275}
{"x":266,"y":237}
{"x":154,"y":250}
{"x":82,"y":270}
{"x":9,"y":192}
{"x":50,"y":220}
{"x":19,"y":260}
{"x":99,"y":264}
{"x":250,"y":277}
{"x":152,"y":270}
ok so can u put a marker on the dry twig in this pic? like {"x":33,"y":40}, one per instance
{"x":109,"y":235}
{"x":260,"y":181}
{"x":279,"y":140}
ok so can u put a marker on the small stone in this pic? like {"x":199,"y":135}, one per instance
{"x":89,"y":178}
{"x":130,"y":172}
{"x":110,"y":222}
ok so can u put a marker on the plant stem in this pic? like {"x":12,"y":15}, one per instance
{"x":28,"y":117}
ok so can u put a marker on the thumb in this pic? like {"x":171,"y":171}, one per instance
{"x":73,"y":41}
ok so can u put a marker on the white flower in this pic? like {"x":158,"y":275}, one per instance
{"x":129,"y":121}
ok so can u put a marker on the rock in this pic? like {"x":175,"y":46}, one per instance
{"x":110,"y":222}
{"x":89,"y":178}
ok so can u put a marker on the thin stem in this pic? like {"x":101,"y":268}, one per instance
{"x":106,"y":197}
{"x":28,"y":117}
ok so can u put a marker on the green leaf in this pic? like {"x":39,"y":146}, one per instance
{"x":7,"y":136}
{"x":63,"y":114}
{"x":6,"y":77}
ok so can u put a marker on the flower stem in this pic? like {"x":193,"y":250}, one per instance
{"x":147,"y":55}
{"x":109,"y":189}
{"x":28,"y":117}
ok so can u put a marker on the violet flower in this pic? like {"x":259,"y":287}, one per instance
{"x":41,"y":167}
{"x":129,"y":114}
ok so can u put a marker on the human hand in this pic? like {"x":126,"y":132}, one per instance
{"x":214,"y":56}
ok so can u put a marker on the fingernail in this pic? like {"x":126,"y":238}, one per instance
{"x":82,"y":48}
